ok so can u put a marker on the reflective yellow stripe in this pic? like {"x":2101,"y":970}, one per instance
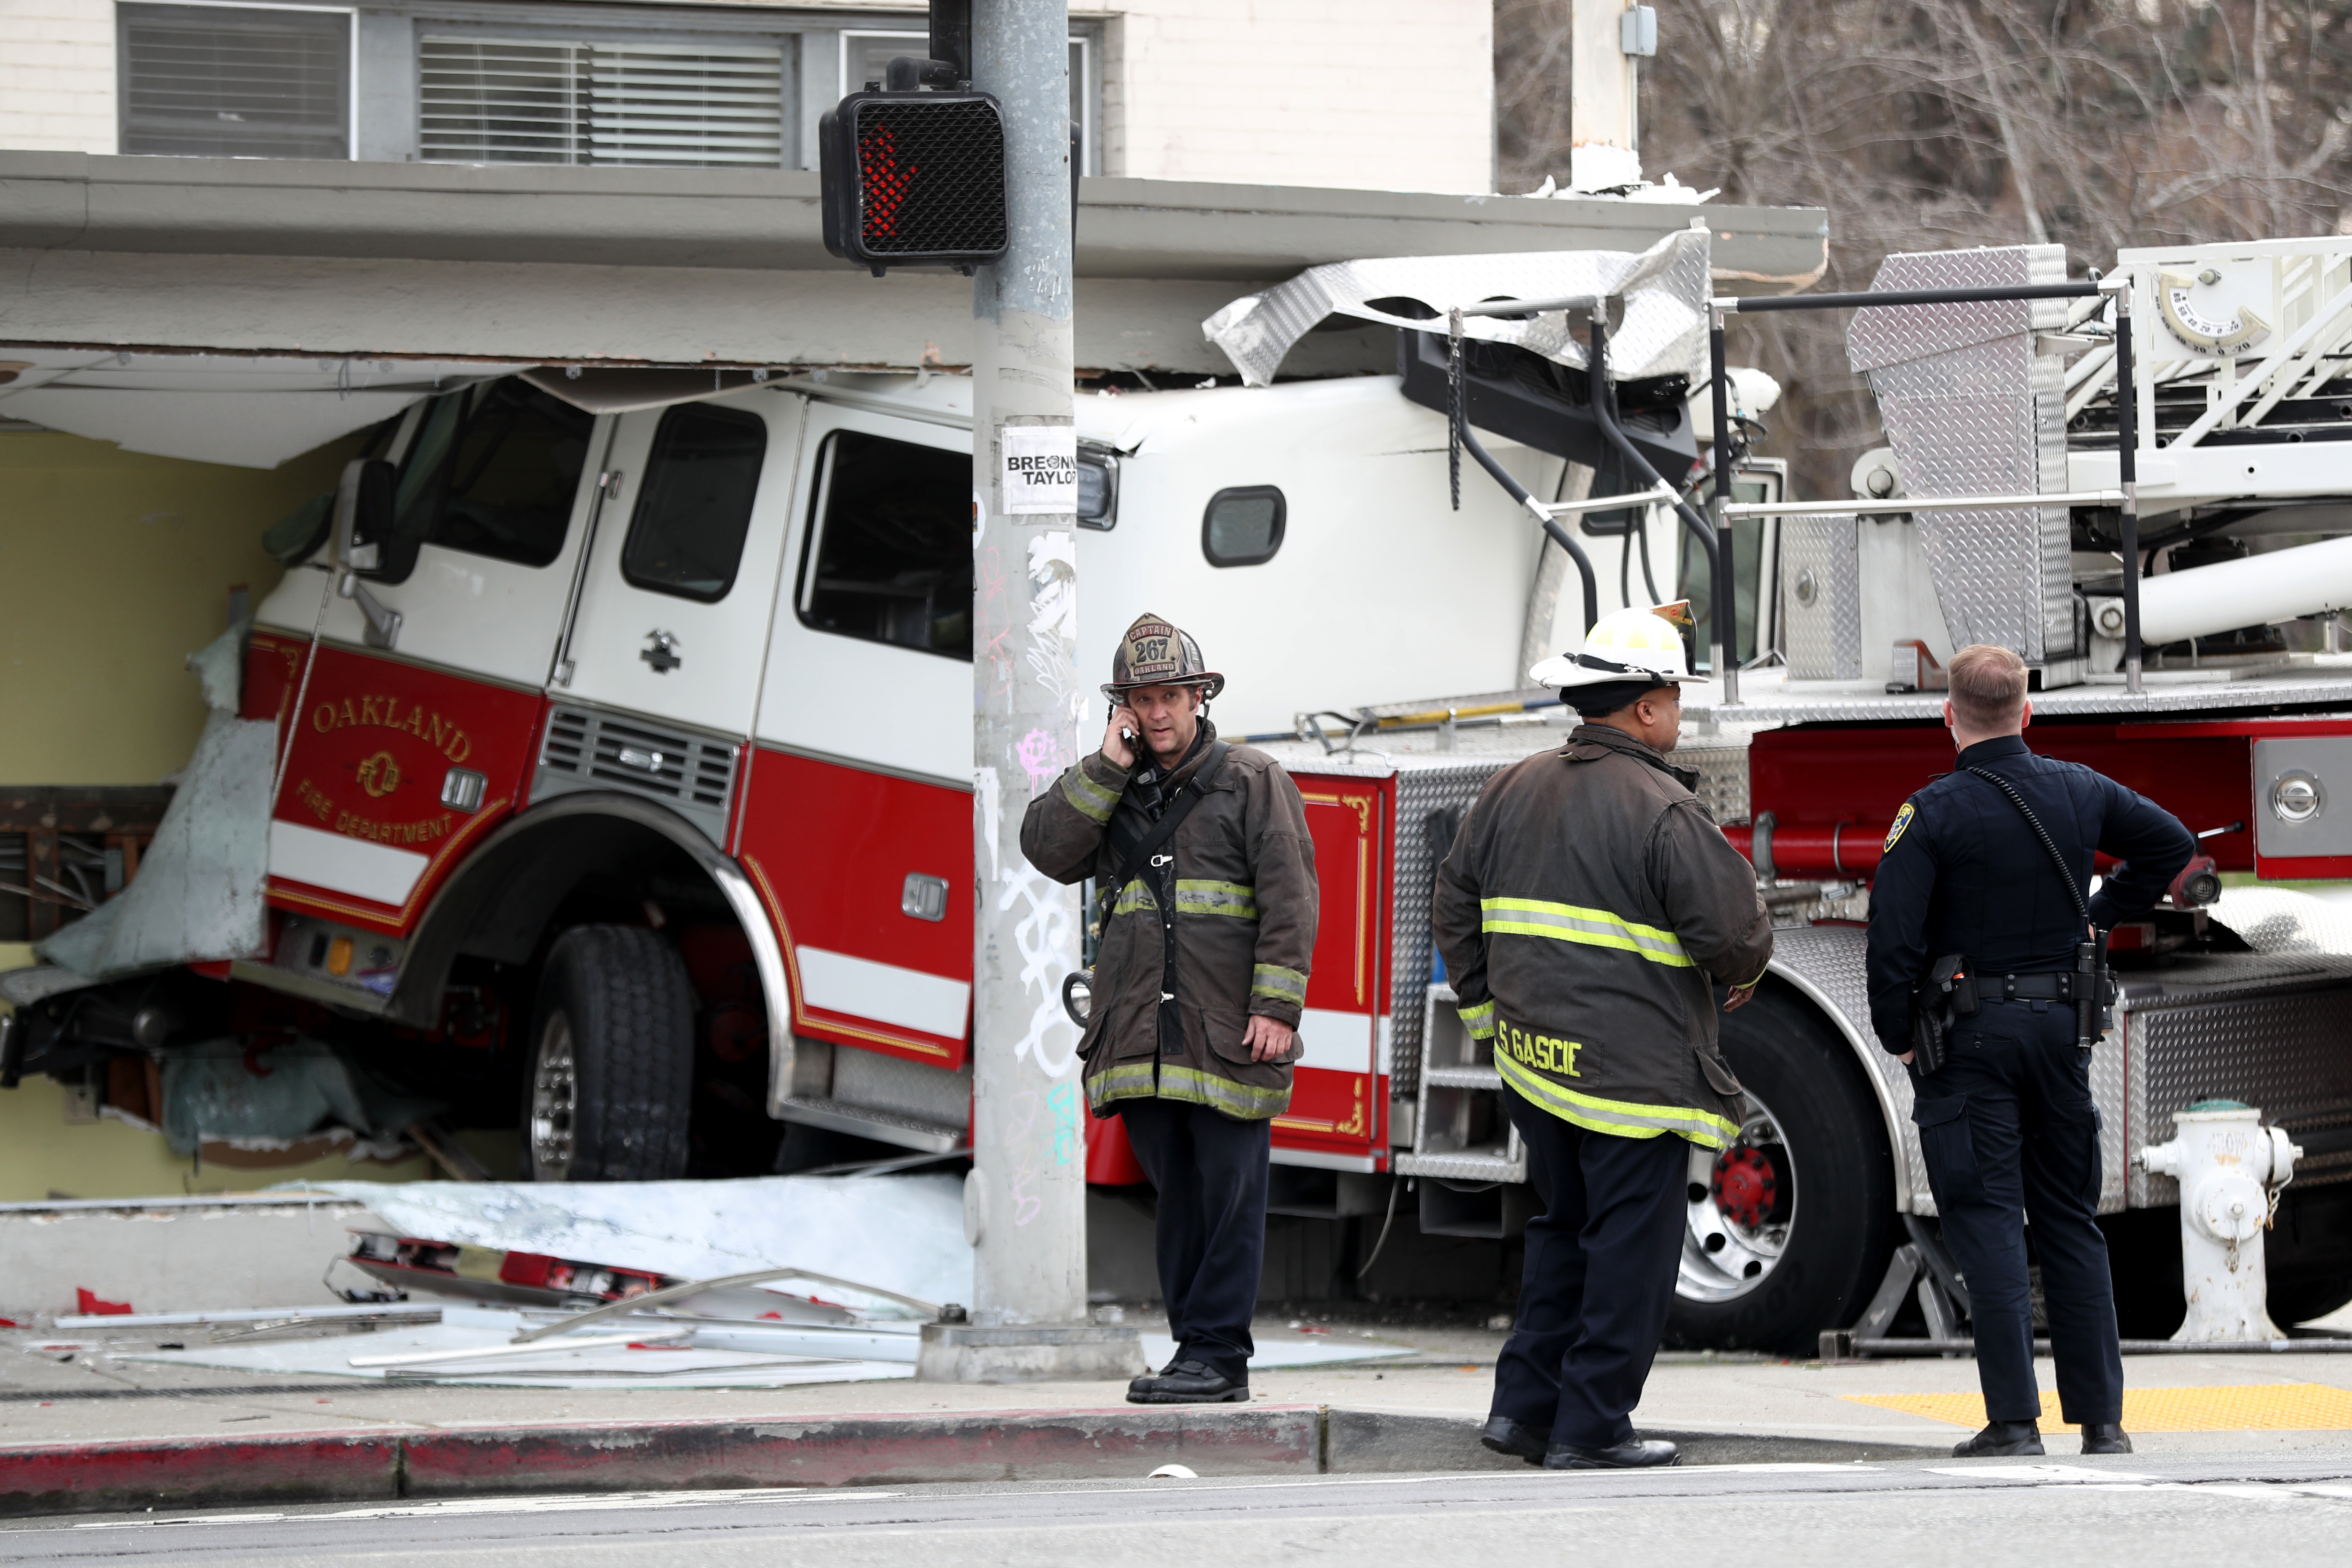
{"x":1282,"y":984}
{"x":1092,"y":801}
{"x":1620,"y":1117}
{"x":1133,"y":1080}
{"x":1479,"y":1020}
{"x":1235,"y":1100}
{"x":1592,"y":928}
{"x":1194,"y":897}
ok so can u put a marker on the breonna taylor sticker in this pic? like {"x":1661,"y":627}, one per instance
{"x":1040,"y":468}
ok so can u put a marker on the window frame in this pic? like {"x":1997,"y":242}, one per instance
{"x":813,"y":536}
{"x":1086,"y":40}
{"x":350,"y":14}
{"x":1239,"y":492}
{"x":645,"y":491}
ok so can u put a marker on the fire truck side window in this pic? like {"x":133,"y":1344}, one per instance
{"x":695,"y":506}
{"x":889,"y":554}
{"x":492,"y":471}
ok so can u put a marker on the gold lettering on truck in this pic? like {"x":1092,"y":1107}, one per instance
{"x":387,"y":712}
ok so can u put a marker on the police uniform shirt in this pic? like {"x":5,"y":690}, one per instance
{"x":1964,"y":873}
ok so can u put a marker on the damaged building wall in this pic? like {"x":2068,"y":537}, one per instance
{"x":113,"y":568}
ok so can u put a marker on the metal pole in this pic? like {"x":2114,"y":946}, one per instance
{"x":2128,"y":477}
{"x":1727,"y":579}
{"x":1024,"y":1202}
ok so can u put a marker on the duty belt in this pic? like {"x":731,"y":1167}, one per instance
{"x":2058,"y":987}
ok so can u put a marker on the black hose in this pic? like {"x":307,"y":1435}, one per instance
{"x":1520,"y":493}
{"x":1604,"y":396}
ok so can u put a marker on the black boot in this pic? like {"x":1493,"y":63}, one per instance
{"x":1136,"y":1386}
{"x":2001,"y":1440}
{"x":1506,"y":1436}
{"x":2105,"y":1437}
{"x":1188,"y":1382}
{"x":1632,"y":1454}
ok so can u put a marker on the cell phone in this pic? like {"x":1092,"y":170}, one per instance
{"x":1125,"y":734}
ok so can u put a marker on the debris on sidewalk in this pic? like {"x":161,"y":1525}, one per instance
{"x":556,"y":1242}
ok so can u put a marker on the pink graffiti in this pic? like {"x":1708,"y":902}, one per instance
{"x":1041,"y":759}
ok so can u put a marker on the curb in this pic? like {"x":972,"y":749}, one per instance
{"x":827,"y":1451}
{"x":631,"y":1455}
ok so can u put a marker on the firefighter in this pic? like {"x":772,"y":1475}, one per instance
{"x":1586,"y":914}
{"x":2007,"y":1123}
{"x":1200,"y":851}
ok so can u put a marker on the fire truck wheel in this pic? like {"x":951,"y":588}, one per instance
{"x":612,"y":1070}
{"x":1791,"y":1227}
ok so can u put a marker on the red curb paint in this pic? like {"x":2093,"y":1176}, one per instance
{"x":634,"y":1456}
{"x":193,"y":1472}
{"x":91,"y":1306}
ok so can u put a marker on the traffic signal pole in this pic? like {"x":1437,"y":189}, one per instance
{"x":1024,"y":1202}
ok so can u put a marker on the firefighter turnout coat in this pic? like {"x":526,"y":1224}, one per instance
{"x":1242,"y":890}
{"x":1585,"y":913}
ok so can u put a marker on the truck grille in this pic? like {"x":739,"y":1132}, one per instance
{"x":586,"y":749}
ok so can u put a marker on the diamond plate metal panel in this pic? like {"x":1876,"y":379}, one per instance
{"x":2288,"y":1051}
{"x":1763,"y":698}
{"x":1971,"y":409}
{"x":1826,"y":963}
{"x":1721,"y":763}
{"x":1420,"y":794}
{"x":1663,"y":293}
{"x":1820,"y":596}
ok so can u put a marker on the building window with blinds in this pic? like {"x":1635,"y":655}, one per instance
{"x":679,"y":105}
{"x":232,"y":82}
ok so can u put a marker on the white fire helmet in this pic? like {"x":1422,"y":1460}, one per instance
{"x":1624,"y":645}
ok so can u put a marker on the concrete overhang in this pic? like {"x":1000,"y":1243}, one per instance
{"x":701,"y":267}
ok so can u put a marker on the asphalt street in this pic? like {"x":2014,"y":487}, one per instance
{"x":2081,"y":1513}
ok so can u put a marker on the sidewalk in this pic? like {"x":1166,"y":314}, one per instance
{"x":95,"y":1432}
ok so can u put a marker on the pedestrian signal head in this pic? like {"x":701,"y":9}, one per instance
{"x":1154,"y":653}
{"x":1624,"y":646}
{"x":914,"y":177}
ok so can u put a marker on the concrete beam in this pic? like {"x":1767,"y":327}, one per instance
{"x":708,"y":265}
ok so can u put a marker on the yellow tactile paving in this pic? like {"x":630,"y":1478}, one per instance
{"x":2244,"y":1407}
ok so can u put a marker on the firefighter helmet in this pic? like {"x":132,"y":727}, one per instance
{"x":1154,"y":653}
{"x":1624,"y":645}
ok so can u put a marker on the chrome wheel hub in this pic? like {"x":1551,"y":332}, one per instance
{"x":1741,"y":1205}
{"x":554,"y":1100}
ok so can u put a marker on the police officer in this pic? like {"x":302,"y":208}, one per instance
{"x":2007,"y":1123}
{"x":1587,"y":912}
{"x":1199,"y":982}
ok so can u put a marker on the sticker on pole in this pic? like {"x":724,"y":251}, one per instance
{"x":1040,"y":468}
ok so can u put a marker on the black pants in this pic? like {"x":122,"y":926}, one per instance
{"x":1599,"y":1275}
{"x":2010,"y":1134}
{"x":1210,"y":1238}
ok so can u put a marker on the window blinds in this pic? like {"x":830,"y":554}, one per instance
{"x":694,"y":105}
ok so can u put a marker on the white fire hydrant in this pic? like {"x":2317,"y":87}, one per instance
{"x":2230,"y":1168}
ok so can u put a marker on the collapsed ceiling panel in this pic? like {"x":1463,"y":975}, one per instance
{"x":250,"y":411}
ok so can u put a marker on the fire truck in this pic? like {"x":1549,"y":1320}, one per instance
{"x":624,"y":782}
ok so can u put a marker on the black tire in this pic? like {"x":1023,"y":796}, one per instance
{"x":1842,"y":1226}
{"x":608,"y":1090}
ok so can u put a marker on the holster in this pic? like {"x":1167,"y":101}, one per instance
{"x":1946,"y":993}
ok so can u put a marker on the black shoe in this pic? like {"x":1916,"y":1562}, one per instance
{"x":1136,"y":1386}
{"x":1188,"y":1382}
{"x":2001,"y":1440}
{"x":1506,"y":1436}
{"x":1632,"y":1454}
{"x":2105,"y":1437}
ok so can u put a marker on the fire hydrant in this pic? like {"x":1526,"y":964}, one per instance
{"x":2230,"y":1168}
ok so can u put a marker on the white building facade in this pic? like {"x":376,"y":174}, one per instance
{"x":1377,"y":95}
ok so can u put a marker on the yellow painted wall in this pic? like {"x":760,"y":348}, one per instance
{"x":113,"y":568}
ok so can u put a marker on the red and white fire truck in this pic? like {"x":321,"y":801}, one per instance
{"x":626,"y":769}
